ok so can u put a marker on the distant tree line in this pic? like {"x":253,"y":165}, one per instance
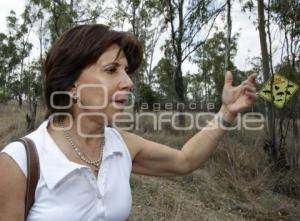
{"x":189,"y":33}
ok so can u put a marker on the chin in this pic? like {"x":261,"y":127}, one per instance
{"x":115,"y":116}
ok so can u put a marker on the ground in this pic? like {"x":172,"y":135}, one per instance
{"x":236,"y":183}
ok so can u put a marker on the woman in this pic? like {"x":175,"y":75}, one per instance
{"x":85,"y":165}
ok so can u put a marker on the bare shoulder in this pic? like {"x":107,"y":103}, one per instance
{"x":132,"y":140}
{"x":12,"y":189}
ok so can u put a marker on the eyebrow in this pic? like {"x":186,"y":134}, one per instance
{"x":114,"y":64}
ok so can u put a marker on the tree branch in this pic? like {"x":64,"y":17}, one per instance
{"x":202,"y":42}
{"x":173,"y":34}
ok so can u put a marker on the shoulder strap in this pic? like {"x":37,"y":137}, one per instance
{"x":33,"y":172}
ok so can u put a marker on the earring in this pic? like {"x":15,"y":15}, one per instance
{"x":75,"y":98}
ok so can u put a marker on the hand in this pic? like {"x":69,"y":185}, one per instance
{"x":241,"y":97}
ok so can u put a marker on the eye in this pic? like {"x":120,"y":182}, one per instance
{"x":127,"y":71}
{"x":111,"y":70}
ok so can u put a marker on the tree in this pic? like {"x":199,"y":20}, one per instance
{"x":187,"y":20}
{"x":228,"y":39}
{"x":3,"y":68}
{"x":50,"y":19}
{"x":271,"y":143}
{"x":16,"y":48}
{"x":164,"y":79}
{"x":145,"y":22}
{"x":211,"y":63}
{"x":195,"y":89}
{"x":287,"y":16}
{"x":284,"y":14}
{"x":63,"y":15}
{"x":148,"y":95}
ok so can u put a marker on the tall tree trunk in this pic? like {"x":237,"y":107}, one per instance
{"x":136,"y":78}
{"x":21,"y":74}
{"x":296,"y":156}
{"x":266,"y":73}
{"x":31,"y":116}
{"x":270,"y":39}
{"x":228,"y":39}
{"x":177,"y":39}
{"x":42,"y":75}
{"x":20,"y":100}
{"x":271,"y":145}
{"x":179,"y":87}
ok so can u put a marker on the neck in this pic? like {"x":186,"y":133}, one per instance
{"x":88,"y":130}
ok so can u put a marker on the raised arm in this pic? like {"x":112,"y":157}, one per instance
{"x":151,"y":158}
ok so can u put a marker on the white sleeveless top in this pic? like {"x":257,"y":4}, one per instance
{"x":69,"y":191}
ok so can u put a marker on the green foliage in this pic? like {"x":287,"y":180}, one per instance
{"x":148,"y":95}
{"x":146,"y":23}
{"x":287,"y":13}
{"x":164,"y":72}
{"x":49,"y":19}
{"x":210,"y":59}
{"x":187,"y":20}
{"x":147,"y":20}
{"x":63,"y":14}
{"x":14,"y":48}
{"x":195,"y":87}
{"x":247,"y":5}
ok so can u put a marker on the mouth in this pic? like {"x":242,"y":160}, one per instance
{"x":120,"y":102}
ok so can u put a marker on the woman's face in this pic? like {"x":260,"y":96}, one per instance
{"x":104,"y":87}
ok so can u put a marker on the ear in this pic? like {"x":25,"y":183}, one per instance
{"x":73,"y":88}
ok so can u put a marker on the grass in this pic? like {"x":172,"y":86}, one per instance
{"x":237,"y":183}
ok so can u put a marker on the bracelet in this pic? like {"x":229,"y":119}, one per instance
{"x":222,"y":122}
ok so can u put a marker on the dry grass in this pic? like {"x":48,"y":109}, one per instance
{"x":237,"y":183}
{"x":13,"y":122}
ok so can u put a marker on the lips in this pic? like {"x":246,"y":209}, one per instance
{"x":120,"y":101}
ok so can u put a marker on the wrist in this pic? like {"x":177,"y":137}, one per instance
{"x":226,"y":114}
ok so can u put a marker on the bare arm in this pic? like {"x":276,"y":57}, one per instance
{"x":201,"y":146}
{"x":12,"y":190}
{"x":151,"y":158}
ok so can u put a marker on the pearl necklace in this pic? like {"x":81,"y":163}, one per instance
{"x":81,"y":155}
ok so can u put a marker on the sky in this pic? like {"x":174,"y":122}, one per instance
{"x":248,"y":43}
{"x":5,"y":7}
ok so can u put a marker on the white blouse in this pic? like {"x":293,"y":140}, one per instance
{"x":69,"y":191}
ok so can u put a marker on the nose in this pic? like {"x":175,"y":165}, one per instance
{"x":126,"y":83}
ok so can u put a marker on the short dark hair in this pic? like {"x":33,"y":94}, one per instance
{"x":78,"y":48}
